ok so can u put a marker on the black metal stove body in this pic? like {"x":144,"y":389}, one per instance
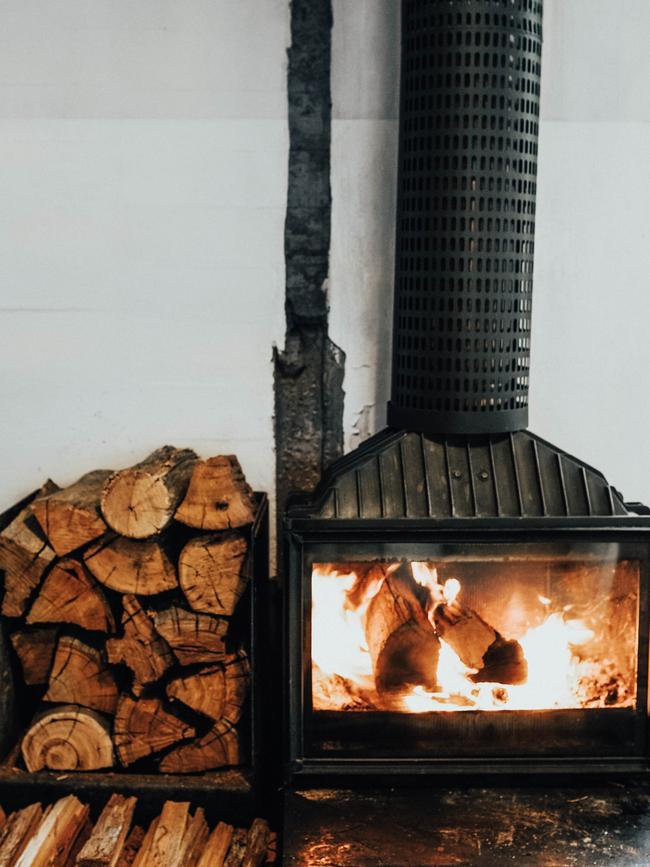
{"x":552,"y":566}
{"x":518,"y":520}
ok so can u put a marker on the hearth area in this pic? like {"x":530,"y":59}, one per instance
{"x":429,"y":633}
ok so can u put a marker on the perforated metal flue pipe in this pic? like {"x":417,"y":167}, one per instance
{"x":469,"y":121}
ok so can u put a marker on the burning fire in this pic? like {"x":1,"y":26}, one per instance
{"x":554,"y":663}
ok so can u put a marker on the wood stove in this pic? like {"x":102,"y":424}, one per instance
{"x":463,"y":596}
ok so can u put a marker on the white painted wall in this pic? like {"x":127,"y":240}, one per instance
{"x":590,"y":391}
{"x":143,"y":155}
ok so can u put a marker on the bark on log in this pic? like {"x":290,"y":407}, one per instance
{"x":68,"y":738}
{"x":80,"y":676}
{"x":140,"y":501}
{"x":218,"y":691}
{"x":17,"y":832}
{"x":218,"y":748}
{"x":213,"y":572}
{"x":53,"y":841}
{"x":237,"y":851}
{"x":143,"y":727}
{"x":479,"y":646}
{"x":141,"y":648}
{"x":218,"y":497}
{"x":70,"y":595}
{"x":217,"y":846}
{"x":24,"y":557}
{"x":257,"y":843}
{"x":71,"y":518}
{"x":131,"y":566}
{"x":104,"y":846}
{"x":35,"y":650}
{"x":403,"y":645}
{"x":192,"y":637}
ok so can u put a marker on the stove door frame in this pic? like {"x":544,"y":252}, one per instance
{"x":301,"y":537}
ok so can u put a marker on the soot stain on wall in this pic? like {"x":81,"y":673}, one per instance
{"x":309,"y":371}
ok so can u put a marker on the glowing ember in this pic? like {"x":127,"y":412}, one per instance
{"x":568,"y":664}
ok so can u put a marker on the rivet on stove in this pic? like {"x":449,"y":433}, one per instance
{"x":484,"y":475}
{"x":457,"y":474}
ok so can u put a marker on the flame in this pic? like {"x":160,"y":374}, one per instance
{"x":558,"y":675}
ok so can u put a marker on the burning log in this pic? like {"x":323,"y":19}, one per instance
{"x":35,"y":650}
{"x":192,"y":637}
{"x":143,"y":727}
{"x":218,"y":497}
{"x":140,"y":501}
{"x":212,"y":572}
{"x":132,"y":566}
{"x":69,"y":595}
{"x":106,"y":842}
{"x":141,"y":648}
{"x":479,"y":646}
{"x":55,"y":837}
{"x":68,"y":738}
{"x":24,"y":557}
{"x":17,"y":832}
{"x":403,"y":645}
{"x":70,"y":517}
{"x":220,"y":747}
{"x":79,"y":676}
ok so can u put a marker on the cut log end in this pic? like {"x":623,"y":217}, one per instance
{"x":35,"y":650}
{"x":218,"y":748}
{"x":218,"y":497}
{"x":68,"y":738}
{"x":212,"y":572}
{"x":79,"y":676}
{"x":70,"y":595}
{"x":140,"y":501}
{"x":144,"y":727}
{"x":131,"y":566}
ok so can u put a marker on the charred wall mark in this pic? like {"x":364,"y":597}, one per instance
{"x":309,"y":371}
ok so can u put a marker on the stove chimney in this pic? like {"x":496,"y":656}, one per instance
{"x":469,"y":122}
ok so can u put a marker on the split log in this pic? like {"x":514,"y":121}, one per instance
{"x":131,"y":566}
{"x":403,"y":645}
{"x":35,"y":650}
{"x":140,"y":501}
{"x":17,"y":832}
{"x":143,"y":727}
{"x":24,"y":557}
{"x":80,"y":676}
{"x":168,"y":837}
{"x":131,"y":847}
{"x":70,"y":595}
{"x":71,"y":518}
{"x":218,"y":748}
{"x":51,"y":844}
{"x":142,"y":858}
{"x":82,"y":838}
{"x":141,"y":648}
{"x":479,"y":646}
{"x":213,"y":572}
{"x":192,"y":637}
{"x":105,"y":844}
{"x":218,"y":497}
{"x":217,"y":846}
{"x":194,"y":840}
{"x":257,"y":844}
{"x":218,"y":691}
{"x":68,"y":738}
{"x":237,"y":851}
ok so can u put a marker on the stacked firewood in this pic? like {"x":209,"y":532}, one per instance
{"x":119,"y":593}
{"x":62,"y":835}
